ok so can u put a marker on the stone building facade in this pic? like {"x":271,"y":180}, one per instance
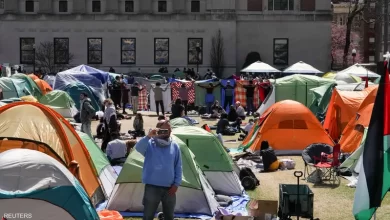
{"x":148,"y":34}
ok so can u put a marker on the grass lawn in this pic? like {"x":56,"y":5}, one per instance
{"x":330,"y":203}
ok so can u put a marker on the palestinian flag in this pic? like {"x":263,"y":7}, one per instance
{"x":374,"y":176}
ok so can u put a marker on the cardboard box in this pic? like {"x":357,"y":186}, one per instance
{"x":262,"y":209}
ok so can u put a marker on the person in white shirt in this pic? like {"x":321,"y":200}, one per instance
{"x":249,"y":126}
{"x":117,"y":150}
{"x":240,"y":110}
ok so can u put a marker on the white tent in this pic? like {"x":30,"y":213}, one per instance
{"x":260,"y":67}
{"x":353,"y":86}
{"x":360,"y":71}
{"x":303,"y":68}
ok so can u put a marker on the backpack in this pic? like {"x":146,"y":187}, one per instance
{"x":248,"y":179}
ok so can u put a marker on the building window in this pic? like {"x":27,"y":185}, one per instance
{"x":63,"y":6}
{"x":255,"y":5}
{"x":96,"y":6}
{"x":129,"y":6}
{"x":29,"y":6}
{"x":61,"y":50}
{"x":195,"y":48}
{"x":161,"y":51}
{"x":195,"y":6}
{"x":162,"y":6}
{"x":1,"y":4}
{"x":95,"y":50}
{"x":280,"y":5}
{"x":27,"y":50}
{"x":128,"y":50}
{"x":281,"y":51}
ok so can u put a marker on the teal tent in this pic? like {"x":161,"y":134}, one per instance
{"x":321,"y":98}
{"x":13,"y":88}
{"x":75,"y":89}
{"x":30,"y":85}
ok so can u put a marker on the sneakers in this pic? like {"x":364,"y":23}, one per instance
{"x":160,"y":216}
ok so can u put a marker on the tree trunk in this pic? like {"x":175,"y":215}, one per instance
{"x":347,"y":39}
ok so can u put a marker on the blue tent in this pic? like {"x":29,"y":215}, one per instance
{"x":32,"y":182}
{"x":99,"y":74}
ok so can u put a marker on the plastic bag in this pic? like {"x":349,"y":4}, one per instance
{"x":110,"y":215}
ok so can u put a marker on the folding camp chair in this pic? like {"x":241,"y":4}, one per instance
{"x":330,"y":165}
{"x":311,"y":155}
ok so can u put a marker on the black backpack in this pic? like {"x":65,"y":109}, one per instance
{"x":248,"y":179}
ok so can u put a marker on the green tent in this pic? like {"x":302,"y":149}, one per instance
{"x":321,"y":98}
{"x":297,"y":87}
{"x":61,"y":102}
{"x":179,"y":122}
{"x":200,"y":93}
{"x":75,"y":89}
{"x":104,"y":170}
{"x":352,"y":160}
{"x":377,"y":80}
{"x":31,"y":86}
{"x":194,"y":196}
{"x":213,"y":159}
{"x":13,"y":88}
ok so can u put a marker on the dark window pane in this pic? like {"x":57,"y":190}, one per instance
{"x":63,"y":6}
{"x":27,"y":57}
{"x":195,"y":51}
{"x":27,"y":44}
{"x":280,"y":5}
{"x":129,"y":6}
{"x":162,"y":6}
{"x":161,"y":57}
{"x":61,"y":50}
{"x":128,"y":44}
{"x":162,"y":44}
{"x":1,"y":4}
{"x":128,"y":57}
{"x":27,"y":50}
{"x":29,"y":6}
{"x":195,"y":6}
{"x":95,"y":57}
{"x":280,"y":51}
{"x":94,"y":44}
{"x":161,"y":51}
{"x":128,"y":50}
{"x":255,"y":5}
{"x":271,"y":5}
{"x":96,"y":6}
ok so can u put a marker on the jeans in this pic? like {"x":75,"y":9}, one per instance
{"x":153,"y":195}
{"x":249,"y":105}
{"x":134,"y":100}
{"x":86,"y":128}
{"x":161,"y":103}
{"x":209,"y":104}
{"x":228,"y":102}
{"x":185,"y":103}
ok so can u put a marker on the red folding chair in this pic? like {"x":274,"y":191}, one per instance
{"x":329,"y":164}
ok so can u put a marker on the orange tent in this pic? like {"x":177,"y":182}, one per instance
{"x":289,"y":127}
{"x":43,"y":85}
{"x":353,"y":132}
{"x":342,"y":108}
{"x":33,"y":76}
{"x":34,"y":126}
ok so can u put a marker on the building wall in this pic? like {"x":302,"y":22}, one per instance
{"x":243,"y":28}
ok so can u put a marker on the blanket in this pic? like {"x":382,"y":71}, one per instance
{"x":200,"y":93}
{"x":167,"y":98}
{"x":240,"y":93}
{"x":191,"y":91}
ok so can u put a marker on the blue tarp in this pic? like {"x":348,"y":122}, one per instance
{"x":224,"y":82}
{"x":103,"y":76}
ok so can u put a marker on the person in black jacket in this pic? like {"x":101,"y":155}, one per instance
{"x":270,"y":161}
{"x":135,"y":89}
{"x":250,"y":94}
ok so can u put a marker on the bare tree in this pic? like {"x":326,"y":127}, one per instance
{"x":52,"y":58}
{"x":217,"y":51}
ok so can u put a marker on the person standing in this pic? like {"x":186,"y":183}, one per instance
{"x":209,"y":98}
{"x":162,"y":171}
{"x":158,"y":97}
{"x":250,"y":91}
{"x":125,"y":96}
{"x":87,"y":112}
{"x":183,"y":95}
{"x":229,"y":93}
{"x":135,"y":89}
{"x":116,"y":92}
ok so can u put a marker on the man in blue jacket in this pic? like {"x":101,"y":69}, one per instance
{"x":162,"y":171}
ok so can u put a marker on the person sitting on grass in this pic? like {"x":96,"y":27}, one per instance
{"x":138,"y":125}
{"x":232,"y":115}
{"x":240,"y":110}
{"x":117,"y":150}
{"x":224,"y":127}
{"x":177,"y":109}
{"x":270,"y":161}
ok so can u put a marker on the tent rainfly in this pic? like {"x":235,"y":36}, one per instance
{"x":260,"y":67}
{"x":360,"y":71}
{"x":302,"y":68}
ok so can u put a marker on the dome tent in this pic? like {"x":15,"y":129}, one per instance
{"x":61,"y":102}
{"x":214,"y":161}
{"x":195,"y":195}
{"x":33,"y":182}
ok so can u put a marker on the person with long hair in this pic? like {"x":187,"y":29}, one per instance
{"x":270,"y":161}
{"x":138,"y":125}
{"x":177,"y":109}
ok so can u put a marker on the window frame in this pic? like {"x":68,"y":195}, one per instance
{"x":188,"y":51}
{"x":59,"y":6}
{"x":2,"y":4}
{"x":198,"y":1}
{"x":135,"y":50}
{"x":127,"y":1}
{"x":101,"y":50}
{"x":288,"y":5}
{"x":33,"y":6}
{"x":154,"y":58}
{"x":100,"y":6}
{"x":288,"y":48}
{"x":158,"y":6}
{"x":67,"y":50}
{"x":21,"y":51}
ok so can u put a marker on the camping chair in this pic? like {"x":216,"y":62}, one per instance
{"x":311,"y":155}
{"x":330,"y":164}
